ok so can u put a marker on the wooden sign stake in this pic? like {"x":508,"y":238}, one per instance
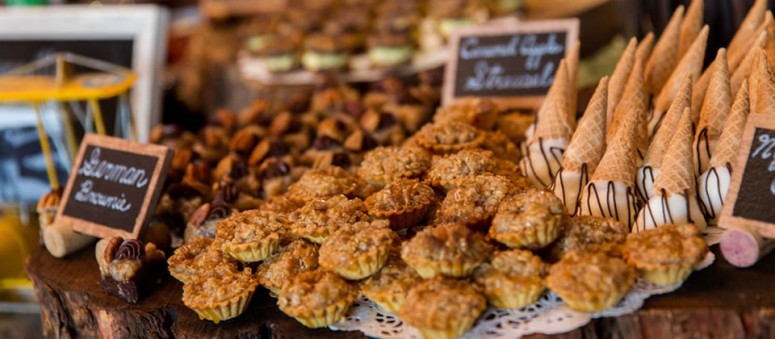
{"x":748,"y":209}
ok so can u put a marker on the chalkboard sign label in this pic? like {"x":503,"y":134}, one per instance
{"x":114,"y":186}
{"x":513,"y":63}
{"x":751,"y":198}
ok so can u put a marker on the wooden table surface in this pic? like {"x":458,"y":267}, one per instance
{"x":719,"y":301}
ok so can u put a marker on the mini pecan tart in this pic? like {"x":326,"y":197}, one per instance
{"x":591,"y":281}
{"x":200,"y":257}
{"x":297,"y":257}
{"x":450,"y":249}
{"x":532,"y":220}
{"x":513,"y":279}
{"x":404,"y":202}
{"x":219,"y":298}
{"x":474,"y":200}
{"x":667,"y":254}
{"x":469,"y":162}
{"x":317,"y":298}
{"x":442,"y":307}
{"x":478,"y":112}
{"x":358,"y":250}
{"x":385,"y":164}
{"x":319,"y":218}
{"x":449,"y":137}
{"x":322,"y":183}
{"x":251,"y":236}
{"x":388,"y":287}
{"x":586,"y":232}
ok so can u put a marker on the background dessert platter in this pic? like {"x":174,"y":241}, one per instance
{"x":378,"y":212}
{"x":405,"y":39}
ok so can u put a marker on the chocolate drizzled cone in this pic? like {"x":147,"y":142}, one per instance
{"x":663,"y":136}
{"x":732,"y":133}
{"x":665,"y":56}
{"x":747,"y":31}
{"x":552,"y":117}
{"x":633,"y":102}
{"x":644,"y":47}
{"x":677,"y":173}
{"x":744,"y":69}
{"x":715,"y":108}
{"x":573,"y":72}
{"x":690,"y":26}
{"x":762,"y":86}
{"x":588,"y":142}
{"x":619,"y":160}
{"x":690,"y":64}
{"x":718,"y":98}
{"x":619,"y":78}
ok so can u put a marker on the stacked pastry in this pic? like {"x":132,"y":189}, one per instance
{"x":324,"y":35}
{"x":432,"y":230}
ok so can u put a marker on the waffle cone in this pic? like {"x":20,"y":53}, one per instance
{"x":718,"y":98}
{"x":552,"y":117}
{"x":762,"y":86}
{"x":739,"y":45}
{"x":698,"y":94}
{"x":644,"y":47}
{"x":618,"y":162}
{"x":663,"y":136}
{"x":588,"y":142}
{"x":664,"y":57}
{"x":690,"y":25}
{"x":690,"y":64}
{"x":677,"y":174}
{"x":633,"y":102}
{"x":744,"y":69}
{"x":573,"y":73}
{"x":618,"y":80}
{"x":732,"y":134}
{"x":770,"y":29}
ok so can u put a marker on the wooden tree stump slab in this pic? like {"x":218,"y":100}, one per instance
{"x":720,"y":301}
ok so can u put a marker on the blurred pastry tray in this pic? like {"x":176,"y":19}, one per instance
{"x":360,"y":69}
{"x":18,"y":296}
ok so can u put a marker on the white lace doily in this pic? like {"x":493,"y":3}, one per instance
{"x":550,"y":315}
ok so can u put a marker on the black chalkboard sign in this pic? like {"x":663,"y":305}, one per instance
{"x":513,"y":63}
{"x":113,"y":186}
{"x":751,"y":197}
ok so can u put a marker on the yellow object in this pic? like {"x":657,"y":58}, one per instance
{"x":16,"y":243}
{"x":50,"y":170}
{"x":25,"y":84}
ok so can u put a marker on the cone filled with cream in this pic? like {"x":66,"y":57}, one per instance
{"x":584,"y":151}
{"x":674,"y":200}
{"x":552,"y":132}
{"x":665,"y":55}
{"x":690,"y":64}
{"x":649,"y":171}
{"x":713,"y":184}
{"x":610,"y":190}
{"x":718,"y":100}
